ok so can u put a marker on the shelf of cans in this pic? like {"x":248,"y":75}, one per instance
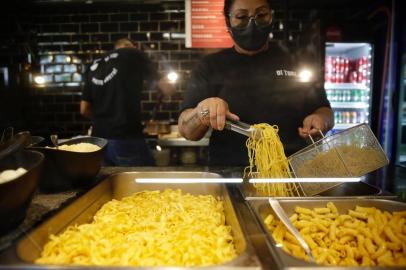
{"x":340,"y":69}
{"x":350,"y":116}
{"x":347,"y":95}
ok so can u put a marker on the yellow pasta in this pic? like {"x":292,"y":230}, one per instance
{"x":149,"y":228}
{"x":365,"y":236}
{"x":268,"y":160}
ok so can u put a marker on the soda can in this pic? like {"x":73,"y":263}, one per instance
{"x":329,"y":63}
{"x":335,"y":117}
{"x":347,"y":118}
{"x":364,"y":61}
{"x":360,"y":77}
{"x":337,"y":64}
{"x":353,"y":77}
{"x":338,"y":118}
{"x":354,"y":117}
{"x":361,"y":117}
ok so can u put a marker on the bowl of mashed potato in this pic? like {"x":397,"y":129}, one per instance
{"x":19,"y":178}
{"x":73,"y":164}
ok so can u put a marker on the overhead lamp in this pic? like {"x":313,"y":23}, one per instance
{"x":172,"y":76}
{"x":39,"y":79}
{"x":305,"y":75}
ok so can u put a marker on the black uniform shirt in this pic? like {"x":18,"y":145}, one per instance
{"x":263,"y":88}
{"x":113,"y":87}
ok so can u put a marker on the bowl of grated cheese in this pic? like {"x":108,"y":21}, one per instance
{"x":74,"y":164}
{"x":19,"y":175}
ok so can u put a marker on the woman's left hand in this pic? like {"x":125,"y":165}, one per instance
{"x":322,"y":119}
{"x":311,"y":125}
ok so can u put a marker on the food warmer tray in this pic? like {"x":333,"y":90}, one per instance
{"x":347,"y":189}
{"x":123,"y":184}
{"x":283,"y":260}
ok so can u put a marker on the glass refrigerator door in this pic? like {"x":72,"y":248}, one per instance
{"x":347,"y":80}
{"x":401,"y":143}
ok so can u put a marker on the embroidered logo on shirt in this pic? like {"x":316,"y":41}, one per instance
{"x":285,"y":73}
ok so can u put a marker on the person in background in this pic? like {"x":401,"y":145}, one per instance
{"x":111,"y":99}
{"x":255,"y":81}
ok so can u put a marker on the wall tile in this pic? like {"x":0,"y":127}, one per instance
{"x":100,"y":38}
{"x":108,"y":27}
{"x":169,"y":26}
{"x":129,"y":27}
{"x":148,"y":26}
{"x":139,"y":17}
{"x":90,"y":27}
{"x":99,"y":18}
{"x":159,"y":16}
{"x":70,"y":28}
{"x":138,"y":37}
{"x":50,"y":28}
{"x":79,"y":18}
{"x":120,"y":17}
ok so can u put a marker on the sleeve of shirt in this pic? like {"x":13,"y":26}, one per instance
{"x":86,"y":93}
{"x":201,"y":85}
{"x":317,"y":97}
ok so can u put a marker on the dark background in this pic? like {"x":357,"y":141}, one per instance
{"x":31,"y":29}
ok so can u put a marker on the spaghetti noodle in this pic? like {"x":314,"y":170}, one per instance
{"x":268,"y":160}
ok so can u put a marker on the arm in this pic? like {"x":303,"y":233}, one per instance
{"x":321,"y":119}
{"x":86,"y":109}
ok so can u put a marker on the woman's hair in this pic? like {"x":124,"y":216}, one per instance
{"x":227,"y":8}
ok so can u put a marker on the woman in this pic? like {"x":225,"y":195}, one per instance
{"x":254,"y":81}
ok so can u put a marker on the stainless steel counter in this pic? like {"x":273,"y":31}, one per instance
{"x":45,"y":206}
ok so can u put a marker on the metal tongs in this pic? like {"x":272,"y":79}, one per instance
{"x":238,"y":126}
{"x":277,"y":208}
{"x":242,"y":128}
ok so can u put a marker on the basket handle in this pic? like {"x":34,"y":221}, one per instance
{"x":322,"y":136}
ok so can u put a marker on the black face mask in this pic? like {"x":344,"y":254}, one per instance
{"x":251,"y":38}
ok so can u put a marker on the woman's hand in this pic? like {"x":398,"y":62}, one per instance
{"x":193,"y":124}
{"x":322,"y":119}
{"x":218,"y":112}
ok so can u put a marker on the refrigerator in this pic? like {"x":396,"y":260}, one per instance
{"x":347,"y":81}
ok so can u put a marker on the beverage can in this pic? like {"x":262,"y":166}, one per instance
{"x":339,"y":119}
{"x":354,"y":117}
{"x":356,"y":96}
{"x":347,"y":117}
{"x":336,"y":115}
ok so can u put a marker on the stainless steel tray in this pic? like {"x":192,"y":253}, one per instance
{"x":285,"y":261}
{"x":123,"y":184}
{"x":348,"y":189}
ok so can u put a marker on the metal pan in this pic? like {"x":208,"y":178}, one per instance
{"x":120,"y":185}
{"x":283,"y":260}
{"x":348,"y":189}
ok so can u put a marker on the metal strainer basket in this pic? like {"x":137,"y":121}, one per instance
{"x":350,"y":153}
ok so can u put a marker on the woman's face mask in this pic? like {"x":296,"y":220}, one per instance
{"x":251,"y":38}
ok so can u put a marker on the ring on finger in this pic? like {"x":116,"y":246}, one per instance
{"x":204,"y":112}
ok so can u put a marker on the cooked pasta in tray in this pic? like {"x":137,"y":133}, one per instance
{"x":149,"y":228}
{"x":341,"y":232}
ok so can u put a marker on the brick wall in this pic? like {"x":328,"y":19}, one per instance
{"x":86,"y":31}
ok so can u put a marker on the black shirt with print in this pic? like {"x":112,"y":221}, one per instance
{"x":260,"y":89}
{"x":113,"y":87}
